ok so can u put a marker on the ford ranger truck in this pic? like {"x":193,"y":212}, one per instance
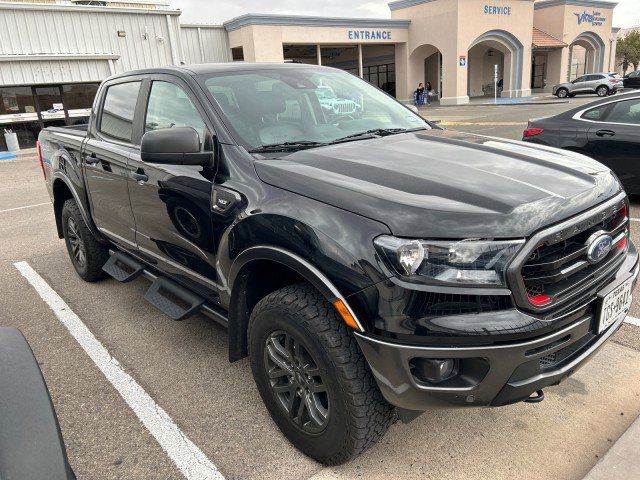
{"x":369,"y":266}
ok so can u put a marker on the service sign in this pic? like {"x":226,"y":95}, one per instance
{"x":497,"y":10}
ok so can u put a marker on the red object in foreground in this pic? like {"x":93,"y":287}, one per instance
{"x":540,"y":300}
{"x":39,"y":147}
{"x":622,"y":244}
{"x":532,"y":132}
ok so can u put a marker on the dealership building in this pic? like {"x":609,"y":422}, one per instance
{"x":54,"y":54}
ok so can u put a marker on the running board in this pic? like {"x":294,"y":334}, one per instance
{"x":122,"y":267}
{"x":172,"y":299}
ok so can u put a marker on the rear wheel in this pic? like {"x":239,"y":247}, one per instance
{"x":562,"y":93}
{"x":313,"y":378}
{"x":86,"y":253}
{"x":602,"y":91}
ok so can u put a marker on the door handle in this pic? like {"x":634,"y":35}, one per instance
{"x":92,"y":160}
{"x":605,"y":133}
{"x":140,"y":177}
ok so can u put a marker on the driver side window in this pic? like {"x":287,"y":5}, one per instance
{"x":169,"y":106}
{"x":580,"y":79}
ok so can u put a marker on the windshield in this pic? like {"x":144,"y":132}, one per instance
{"x":305,"y":106}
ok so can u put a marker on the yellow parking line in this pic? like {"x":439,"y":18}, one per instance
{"x":492,"y":124}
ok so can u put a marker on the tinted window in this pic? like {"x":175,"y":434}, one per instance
{"x":595,"y":113}
{"x":580,"y":79}
{"x":117,"y":111}
{"x":627,"y":111}
{"x":169,"y":106}
{"x":591,"y":78}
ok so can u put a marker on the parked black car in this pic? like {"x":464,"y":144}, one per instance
{"x":607,"y":130}
{"x":367,"y":261}
{"x":632,"y":80}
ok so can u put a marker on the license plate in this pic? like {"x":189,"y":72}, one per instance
{"x":614,"y":305}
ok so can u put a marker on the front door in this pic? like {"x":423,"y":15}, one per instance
{"x":171,"y":203}
{"x":106,"y":154}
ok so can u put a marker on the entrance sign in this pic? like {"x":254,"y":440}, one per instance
{"x":462,"y":61}
{"x":369,"y":35}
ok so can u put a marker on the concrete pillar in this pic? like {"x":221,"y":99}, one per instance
{"x":454,"y":84}
{"x":319,"y":54}
{"x":402,"y":72}
{"x":360,"y":72}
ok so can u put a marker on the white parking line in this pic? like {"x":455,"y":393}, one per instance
{"x":635,"y":219}
{"x":632,"y":320}
{"x":23,"y":207}
{"x":189,"y":459}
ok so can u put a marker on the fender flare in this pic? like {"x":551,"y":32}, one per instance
{"x":308,"y":271}
{"x":85,"y":215}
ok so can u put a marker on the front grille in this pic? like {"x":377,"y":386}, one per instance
{"x":345,"y":106}
{"x":558,"y":269}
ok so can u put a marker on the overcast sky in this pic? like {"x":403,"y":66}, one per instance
{"x":626,"y":14}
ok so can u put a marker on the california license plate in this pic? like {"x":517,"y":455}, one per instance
{"x":615,"y":305}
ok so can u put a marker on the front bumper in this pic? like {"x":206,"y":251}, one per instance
{"x":490,"y":375}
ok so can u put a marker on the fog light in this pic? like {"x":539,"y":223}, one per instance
{"x":434,"y":370}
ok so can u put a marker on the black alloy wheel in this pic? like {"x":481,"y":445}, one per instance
{"x":78,"y":249}
{"x":296,"y":382}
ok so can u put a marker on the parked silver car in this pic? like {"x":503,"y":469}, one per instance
{"x":602,"y":84}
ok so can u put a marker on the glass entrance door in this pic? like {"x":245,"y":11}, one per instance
{"x":50,"y":105}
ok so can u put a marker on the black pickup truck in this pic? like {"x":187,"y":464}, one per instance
{"x":369,"y":263}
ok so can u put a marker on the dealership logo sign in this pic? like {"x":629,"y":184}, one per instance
{"x":595,"y":18}
{"x":369,"y":35}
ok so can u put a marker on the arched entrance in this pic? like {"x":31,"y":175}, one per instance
{"x":586,"y":55}
{"x":496,"y":47}
{"x":425,"y":65}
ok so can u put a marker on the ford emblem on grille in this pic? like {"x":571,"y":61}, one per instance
{"x":598,"y":246}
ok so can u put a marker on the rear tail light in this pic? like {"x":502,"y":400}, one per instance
{"x":613,"y":80}
{"x":40,"y":160}
{"x":532,"y":132}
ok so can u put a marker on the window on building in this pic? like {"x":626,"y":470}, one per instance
{"x":79,"y":96}
{"x":118,"y":109}
{"x":627,"y":111}
{"x":15,"y":100}
{"x":169,"y":106}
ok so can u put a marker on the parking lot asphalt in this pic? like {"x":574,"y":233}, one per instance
{"x":183,"y":366}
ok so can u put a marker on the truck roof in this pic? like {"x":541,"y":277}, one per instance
{"x":205,"y":68}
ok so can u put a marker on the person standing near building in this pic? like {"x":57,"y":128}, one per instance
{"x":429,"y":92}
{"x":419,"y":95}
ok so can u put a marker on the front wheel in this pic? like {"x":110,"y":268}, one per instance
{"x":313,"y":378}
{"x":602,"y":91}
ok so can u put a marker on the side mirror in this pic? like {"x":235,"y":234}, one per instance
{"x":173,"y":146}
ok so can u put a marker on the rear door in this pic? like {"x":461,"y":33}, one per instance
{"x":105,"y":156}
{"x":171,"y":203}
{"x":615,"y":141}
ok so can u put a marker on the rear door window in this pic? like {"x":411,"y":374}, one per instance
{"x":119,"y":106}
{"x":596,"y":114}
{"x":626,"y":111}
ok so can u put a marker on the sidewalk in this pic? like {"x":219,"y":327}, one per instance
{"x":537,"y":99}
{"x":622,"y":461}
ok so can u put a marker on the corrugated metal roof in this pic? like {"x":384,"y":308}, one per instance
{"x":544,"y":40}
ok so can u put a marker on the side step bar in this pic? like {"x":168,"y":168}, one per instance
{"x":165,"y":294}
{"x":122,"y":267}
{"x":172,"y":299}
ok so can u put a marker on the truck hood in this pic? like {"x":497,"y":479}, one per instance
{"x":446,"y":184}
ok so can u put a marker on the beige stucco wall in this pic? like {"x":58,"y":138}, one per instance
{"x":452,"y":26}
{"x":561,"y":22}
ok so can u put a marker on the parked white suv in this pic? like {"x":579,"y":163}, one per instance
{"x":602,"y":84}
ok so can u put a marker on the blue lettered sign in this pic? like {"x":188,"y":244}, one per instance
{"x":496,"y":10}
{"x":594,"y":18}
{"x":369,"y":35}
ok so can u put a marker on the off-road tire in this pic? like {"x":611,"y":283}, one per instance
{"x":358,"y":414}
{"x":96,"y":253}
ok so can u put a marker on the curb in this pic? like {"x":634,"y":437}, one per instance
{"x":621,"y":462}
{"x":514,"y":104}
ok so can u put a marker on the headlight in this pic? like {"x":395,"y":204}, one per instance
{"x":464,"y":262}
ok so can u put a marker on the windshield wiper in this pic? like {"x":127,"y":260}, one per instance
{"x":377,"y":131}
{"x":286,"y":146}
